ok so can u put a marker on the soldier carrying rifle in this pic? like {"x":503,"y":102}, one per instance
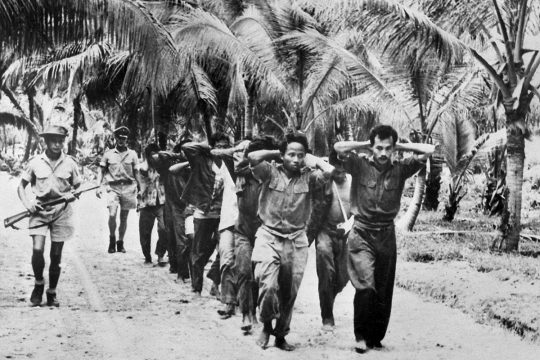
{"x":52,"y":175}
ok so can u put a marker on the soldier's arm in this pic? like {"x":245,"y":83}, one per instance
{"x":314,"y":161}
{"x":343,"y":147}
{"x":257,"y":157}
{"x":30,"y":205}
{"x":423,"y":151}
{"x":177,"y":168}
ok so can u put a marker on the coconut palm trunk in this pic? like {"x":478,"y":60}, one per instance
{"x":408,"y":220}
{"x":31,"y":107}
{"x":77,"y":113}
{"x":250,"y":110}
{"x":511,"y":218}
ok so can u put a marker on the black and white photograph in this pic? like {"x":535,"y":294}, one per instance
{"x":270,"y":179}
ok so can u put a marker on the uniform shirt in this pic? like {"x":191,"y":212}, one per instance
{"x":247,"y":189}
{"x":152,"y":189}
{"x":376,"y":195}
{"x":51,"y":179}
{"x":285,"y":203}
{"x":119,"y":165}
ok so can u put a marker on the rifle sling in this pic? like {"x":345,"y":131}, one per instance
{"x":45,"y":224}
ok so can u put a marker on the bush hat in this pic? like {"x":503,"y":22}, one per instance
{"x":58,"y":130}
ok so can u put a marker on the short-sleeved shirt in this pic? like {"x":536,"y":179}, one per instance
{"x":152,"y":189}
{"x":285,"y":203}
{"x":376,"y":195}
{"x":119,"y":165}
{"x":51,"y":179}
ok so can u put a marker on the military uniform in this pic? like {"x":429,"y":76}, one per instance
{"x":120,"y":179}
{"x":281,"y":246}
{"x":375,"y":202}
{"x":52,"y":180}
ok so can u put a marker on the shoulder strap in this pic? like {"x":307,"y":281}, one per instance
{"x":343,"y":212}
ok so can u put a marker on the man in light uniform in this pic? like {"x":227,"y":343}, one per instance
{"x":52,"y":175}
{"x":118,"y":170}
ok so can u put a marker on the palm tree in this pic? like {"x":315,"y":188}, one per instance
{"x":509,"y":30}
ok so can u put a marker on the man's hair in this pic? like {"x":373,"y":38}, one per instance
{"x":333,"y":157}
{"x":150,"y":148}
{"x":383,"y":132}
{"x":261,"y":143}
{"x":178,"y":147}
{"x":217,"y":137}
{"x":293,"y":138}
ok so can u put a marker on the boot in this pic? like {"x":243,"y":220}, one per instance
{"x":112,"y":241}
{"x":37,"y":295}
{"x":120,"y":246}
{"x":51,"y":299}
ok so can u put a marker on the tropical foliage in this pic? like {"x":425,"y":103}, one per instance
{"x":326,"y":68}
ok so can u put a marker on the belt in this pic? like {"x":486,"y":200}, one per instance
{"x":362,"y":225}
{"x":120,"y":182}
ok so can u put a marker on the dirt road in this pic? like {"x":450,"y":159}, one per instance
{"x":113,"y":307}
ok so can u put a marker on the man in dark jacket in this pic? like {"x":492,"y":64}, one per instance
{"x":204,"y":191}
{"x":377,"y":184}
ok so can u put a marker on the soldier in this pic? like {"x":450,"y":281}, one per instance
{"x":377,"y":184}
{"x":281,"y":246}
{"x":52,"y":175}
{"x":150,"y":204}
{"x":331,"y":241}
{"x":118,"y":171}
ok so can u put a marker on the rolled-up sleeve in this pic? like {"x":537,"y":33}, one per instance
{"x":28,"y":173}
{"x":262,"y":171}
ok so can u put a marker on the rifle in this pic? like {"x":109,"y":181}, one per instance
{"x":10,"y":221}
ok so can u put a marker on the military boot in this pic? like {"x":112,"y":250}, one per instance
{"x":120,"y":246}
{"x":37,"y":295}
{"x":112,"y":241}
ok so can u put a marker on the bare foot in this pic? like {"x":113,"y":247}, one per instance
{"x":328,"y":328}
{"x":360,"y":347}
{"x":282,"y":344}
{"x":264,"y":337}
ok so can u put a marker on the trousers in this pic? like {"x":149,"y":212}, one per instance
{"x":147,"y":216}
{"x":179,"y":246}
{"x":279,"y":268}
{"x":331,"y":262}
{"x":247,"y":289}
{"x":227,"y":268}
{"x":204,"y":244}
{"x":372,"y":269}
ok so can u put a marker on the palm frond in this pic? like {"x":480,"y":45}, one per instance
{"x":208,"y":39}
{"x":363,"y":76}
{"x":328,"y":77}
{"x":21,"y":122}
{"x":458,"y":136}
{"x":395,"y":27}
{"x":58,"y":71}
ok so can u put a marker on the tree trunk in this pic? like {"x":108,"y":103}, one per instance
{"x":433,"y":183}
{"x":76,"y":119}
{"x":250,"y":109}
{"x":511,"y":219}
{"x":407,"y":221}
{"x":31,"y":108}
